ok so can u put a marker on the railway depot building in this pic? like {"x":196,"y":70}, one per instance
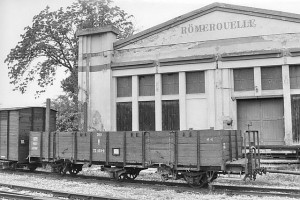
{"x":219,"y":67}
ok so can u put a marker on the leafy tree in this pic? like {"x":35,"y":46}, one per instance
{"x":50,"y":43}
{"x":67,"y":113}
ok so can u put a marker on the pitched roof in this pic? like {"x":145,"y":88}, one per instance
{"x":265,"y":13}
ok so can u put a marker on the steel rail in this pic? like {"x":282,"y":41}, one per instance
{"x":103,"y":179}
{"x":15,"y":195}
{"x":53,"y":192}
{"x":256,"y":191}
{"x":231,"y":190}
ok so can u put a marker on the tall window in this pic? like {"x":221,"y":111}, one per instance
{"x":170,"y":84}
{"x":124,"y":116}
{"x":147,"y":116}
{"x":195,"y":82}
{"x":170,"y":115}
{"x":243,"y":79}
{"x":124,"y":86}
{"x":146,"y":85}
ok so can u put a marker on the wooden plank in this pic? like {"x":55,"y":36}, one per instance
{"x":13,"y":135}
{"x":144,"y":149}
{"x":107,"y":148}
{"x":64,"y":145}
{"x":35,"y":144}
{"x":134,"y":146}
{"x":161,"y":156}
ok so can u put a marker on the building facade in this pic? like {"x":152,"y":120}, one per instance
{"x":219,"y":67}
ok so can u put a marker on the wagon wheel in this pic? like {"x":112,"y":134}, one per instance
{"x":197,"y":181}
{"x":13,"y":166}
{"x":122,"y":177}
{"x":131,"y":176}
{"x":164,"y":177}
{"x":63,"y":170}
{"x":73,"y":171}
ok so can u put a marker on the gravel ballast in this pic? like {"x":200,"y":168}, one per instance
{"x":73,"y":185}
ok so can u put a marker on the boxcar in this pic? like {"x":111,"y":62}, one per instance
{"x":15,"y":125}
{"x":192,"y":154}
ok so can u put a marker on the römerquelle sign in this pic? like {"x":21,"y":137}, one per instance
{"x":239,"y":24}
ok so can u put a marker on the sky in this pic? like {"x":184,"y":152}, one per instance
{"x":17,"y":14}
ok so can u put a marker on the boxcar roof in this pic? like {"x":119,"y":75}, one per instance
{"x":24,"y":107}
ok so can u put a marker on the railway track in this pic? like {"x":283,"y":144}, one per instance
{"x":54,"y":194}
{"x":256,"y":191}
{"x":13,"y":195}
{"x":177,"y":186}
{"x":105,"y":179}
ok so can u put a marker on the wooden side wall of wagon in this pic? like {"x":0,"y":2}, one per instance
{"x":183,"y":149}
{"x":15,"y":125}
{"x":180,"y":150}
{"x":205,"y":149}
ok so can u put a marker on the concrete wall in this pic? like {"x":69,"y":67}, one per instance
{"x":96,"y":86}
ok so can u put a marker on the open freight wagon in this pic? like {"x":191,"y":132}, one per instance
{"x":195,"y":155}
{"x":15,"y":125}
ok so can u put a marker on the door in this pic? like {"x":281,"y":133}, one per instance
{"x":264,"y":115}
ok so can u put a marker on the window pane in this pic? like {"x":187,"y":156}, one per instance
{"x":170,"y":115}
{"x":271,"y":78}
{"x":124,"y":116}
{"x":124,"y":87}
{"x":147,"y":116}
{"x":146,"y":85}
{"x":243,"y":79}
{"x":295,"y":77}
{"x":170,"y":84}
{"x":195,"y":82}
